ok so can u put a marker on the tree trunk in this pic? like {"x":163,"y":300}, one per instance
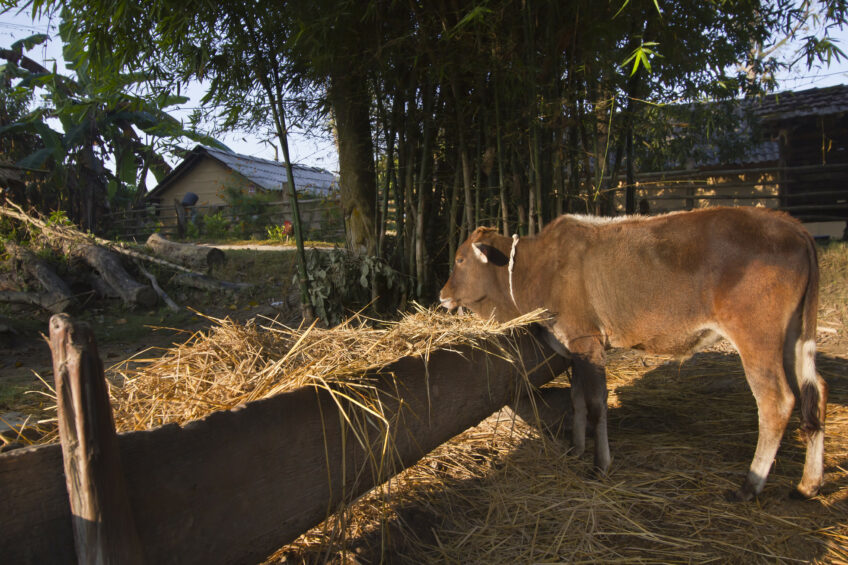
{"x":453,"y":233}
{"x":196,"y":257}
{"x":423,"y":186}
{"x":351,"y":103}
{"x":501,"y":185}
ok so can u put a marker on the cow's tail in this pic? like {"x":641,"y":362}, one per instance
{"x":812,"y":388}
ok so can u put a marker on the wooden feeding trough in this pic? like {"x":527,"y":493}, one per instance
{"x":238,"y":484}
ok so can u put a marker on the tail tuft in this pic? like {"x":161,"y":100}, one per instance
{"x":810,"y":420}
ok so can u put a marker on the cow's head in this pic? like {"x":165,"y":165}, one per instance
{"x":480,"y":278}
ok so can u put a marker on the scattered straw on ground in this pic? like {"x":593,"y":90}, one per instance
{"x":681,"y":436}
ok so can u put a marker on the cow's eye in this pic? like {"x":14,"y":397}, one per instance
{"x":459,"y":260}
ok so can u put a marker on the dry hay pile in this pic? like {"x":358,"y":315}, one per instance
{"x":236,"y":363}
{"x":681,"y":434}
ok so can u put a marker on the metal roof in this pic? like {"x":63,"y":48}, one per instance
{"x":812,"y":102}
{"x":271,"y":175}
{"x":267,"y":174}
{"x":768,"y":111}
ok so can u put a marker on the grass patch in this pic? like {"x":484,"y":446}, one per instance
{"x":117,"y":325}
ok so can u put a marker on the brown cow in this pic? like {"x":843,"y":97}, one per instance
{"x":666,"y":284}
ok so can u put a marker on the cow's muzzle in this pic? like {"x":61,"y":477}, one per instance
{"x":448,"y":303}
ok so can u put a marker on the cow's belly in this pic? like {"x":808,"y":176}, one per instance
{"x":681,"y":343}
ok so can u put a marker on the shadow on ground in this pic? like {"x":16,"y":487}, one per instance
{"x":681,"y":434}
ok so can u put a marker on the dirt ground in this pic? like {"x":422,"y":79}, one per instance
{"x":122,"y":333}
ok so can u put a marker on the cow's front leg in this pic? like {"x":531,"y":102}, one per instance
{"x":589,"y":394}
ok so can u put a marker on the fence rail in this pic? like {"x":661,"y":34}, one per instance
{"x":782,"y":188}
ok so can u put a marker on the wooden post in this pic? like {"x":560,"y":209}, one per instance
{"x":104,"y":529}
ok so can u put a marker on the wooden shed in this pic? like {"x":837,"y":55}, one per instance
{"x":797,"y":161}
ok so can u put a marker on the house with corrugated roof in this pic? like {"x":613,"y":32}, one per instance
{"x":209,"y":180}
{"x":207,"y":173}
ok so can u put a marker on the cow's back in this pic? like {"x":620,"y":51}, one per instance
{"x":661,"y":283}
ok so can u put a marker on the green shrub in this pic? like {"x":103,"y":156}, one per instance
{"x":340,"y":281}
{"x":216,"y":226}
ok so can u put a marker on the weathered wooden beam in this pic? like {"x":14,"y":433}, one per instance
{"x":103,"y":524}
{"x":237,"y":485}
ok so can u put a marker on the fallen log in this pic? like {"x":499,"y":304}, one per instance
{"x":112,"y":271}
{"x":101,"y":287}
{"x":237,"y":485}
{"x":197,"y":257}
{"x":39,"y":299}
{"x":57,"y":296}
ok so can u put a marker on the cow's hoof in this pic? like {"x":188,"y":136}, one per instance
{"x":742,"y":494}
{"x":737,"y":495}
{"x":598,"y":473}
{"x":798,"y":494}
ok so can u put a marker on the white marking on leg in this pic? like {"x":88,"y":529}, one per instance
{"x":807,"y":360}
{"x":813,"y":465}
{"x":768,"y":441}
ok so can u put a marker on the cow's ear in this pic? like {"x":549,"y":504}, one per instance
{"x":488,"y":254}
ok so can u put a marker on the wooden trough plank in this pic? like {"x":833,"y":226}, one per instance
{"x":35,"y":516}
{"x":235,"y":486}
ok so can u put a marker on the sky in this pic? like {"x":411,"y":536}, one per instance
{"x":318,"y":149}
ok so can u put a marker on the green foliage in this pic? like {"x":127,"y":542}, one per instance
{"x":99,"y":114}
{"x":278,"y":233}
{"x":59,"y":218}
{"x":251,"y":213}
{"x":215,"y":226}
{"x":193,"y":228}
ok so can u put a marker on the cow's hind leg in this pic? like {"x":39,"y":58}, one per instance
{"x":764,"y":372}
{"x":800,"y":362}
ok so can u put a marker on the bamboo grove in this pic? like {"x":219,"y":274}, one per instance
{"x":451,"y":114}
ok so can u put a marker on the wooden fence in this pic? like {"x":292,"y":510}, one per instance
{"x":783,"y":188}
{"x":237,"y":485}
{"x":321,"y":219}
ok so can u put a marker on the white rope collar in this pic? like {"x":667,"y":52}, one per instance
{"x":512,"y":267}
